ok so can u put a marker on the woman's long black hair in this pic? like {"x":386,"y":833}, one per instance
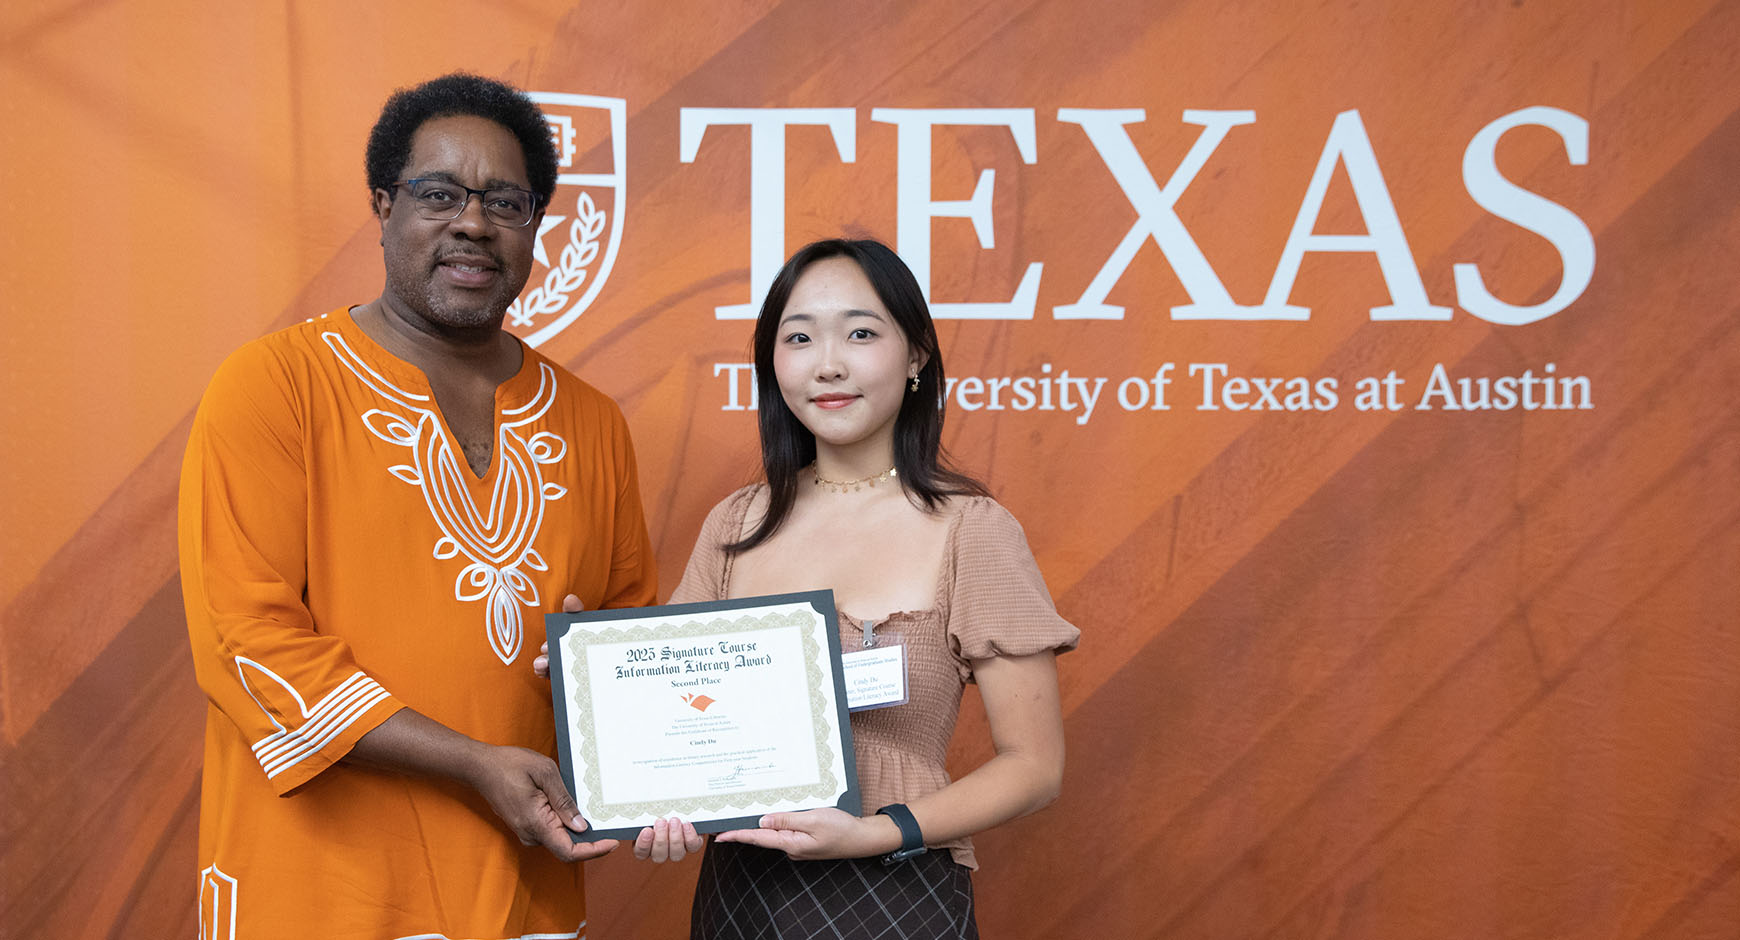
{"x":787,"y":446}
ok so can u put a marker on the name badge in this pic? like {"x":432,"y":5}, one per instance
{"x":875,"y":677}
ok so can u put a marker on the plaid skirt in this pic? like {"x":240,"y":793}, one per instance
{"x":751,"y":893}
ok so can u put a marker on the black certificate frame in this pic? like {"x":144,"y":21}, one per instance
{"x":558,"y":625}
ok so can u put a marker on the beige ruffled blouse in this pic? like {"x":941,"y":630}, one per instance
{"x":990,"y":601}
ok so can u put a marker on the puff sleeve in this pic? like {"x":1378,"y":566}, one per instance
{"x":995,"y":598}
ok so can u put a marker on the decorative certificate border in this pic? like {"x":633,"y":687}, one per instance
{"x":578,"y":709}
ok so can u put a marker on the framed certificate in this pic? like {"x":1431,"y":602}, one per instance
{"x":717,"y":712}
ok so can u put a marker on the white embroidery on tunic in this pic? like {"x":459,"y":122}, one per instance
{"x":336,"y":711}
{"x":217,"y":904}
{"x":496,"y":540}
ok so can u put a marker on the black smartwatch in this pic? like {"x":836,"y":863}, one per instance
{"x":911,"y":838}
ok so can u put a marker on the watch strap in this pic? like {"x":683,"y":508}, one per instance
{"x":911,"y":837}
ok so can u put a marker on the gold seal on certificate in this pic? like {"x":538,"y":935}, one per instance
{"x":717,"y":712}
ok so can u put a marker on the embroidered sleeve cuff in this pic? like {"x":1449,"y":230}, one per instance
{"x":290,"y":757}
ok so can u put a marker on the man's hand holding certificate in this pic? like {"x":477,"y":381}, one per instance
{"x":716,"y":712}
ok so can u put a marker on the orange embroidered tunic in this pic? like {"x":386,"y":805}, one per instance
{"x":340,"y":560}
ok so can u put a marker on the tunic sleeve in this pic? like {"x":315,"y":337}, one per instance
{"x":297,"y":696}
{"x":704,"y":577}
{"x":996,"y":600}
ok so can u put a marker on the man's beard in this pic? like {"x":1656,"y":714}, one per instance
{"x":470,"y":316}
{"x":439,"y":308}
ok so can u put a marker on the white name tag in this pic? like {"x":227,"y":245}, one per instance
{"x":875,"y":678}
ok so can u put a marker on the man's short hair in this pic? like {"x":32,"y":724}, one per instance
{"x":389,"y":148}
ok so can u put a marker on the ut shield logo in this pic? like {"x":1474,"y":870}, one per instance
{"x":577,"y":241}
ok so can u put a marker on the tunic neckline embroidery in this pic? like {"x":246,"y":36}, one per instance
{"x":497,"y":539}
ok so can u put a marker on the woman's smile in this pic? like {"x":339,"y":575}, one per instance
{"x":833,"y":401}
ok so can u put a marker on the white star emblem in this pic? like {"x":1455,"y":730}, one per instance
{"x":549,"y":222}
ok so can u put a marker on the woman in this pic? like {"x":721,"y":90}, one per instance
{"x":857,"y":499}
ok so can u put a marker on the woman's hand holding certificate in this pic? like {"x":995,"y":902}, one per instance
{"x":820,"y":833}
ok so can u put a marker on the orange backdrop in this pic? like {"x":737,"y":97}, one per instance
{"x":1346,"y":671}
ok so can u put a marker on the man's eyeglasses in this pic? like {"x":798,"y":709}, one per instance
{"x":442,"y":201}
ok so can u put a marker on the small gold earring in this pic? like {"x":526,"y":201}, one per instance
{"x":912,"y":383}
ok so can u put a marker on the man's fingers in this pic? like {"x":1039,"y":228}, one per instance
{"x":553,"y":837}
{"x":586,"y":851}
{"x":525,"y":789}
{"x":549,"y":780}
{"x":560,"y":841}
{"x":571,"y":605}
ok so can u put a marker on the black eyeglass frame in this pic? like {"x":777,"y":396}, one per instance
{"x":424,"y":209}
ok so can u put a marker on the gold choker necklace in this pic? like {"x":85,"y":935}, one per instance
{"x":846,"y":486}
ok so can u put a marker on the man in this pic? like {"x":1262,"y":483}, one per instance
{"x":376,"y":508}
